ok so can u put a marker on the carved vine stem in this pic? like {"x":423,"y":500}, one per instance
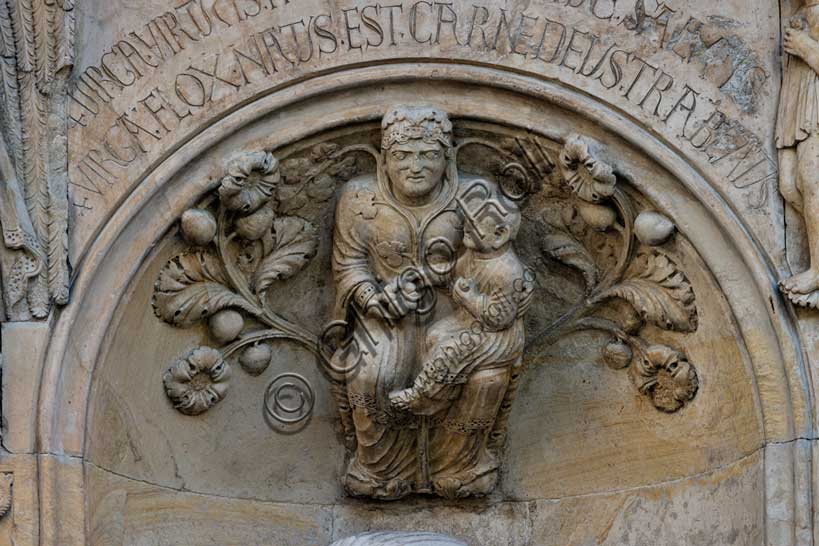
{"x":568,"y":321}
{"x":281,"y":327}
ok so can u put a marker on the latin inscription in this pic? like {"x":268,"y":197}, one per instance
{"x":274,"y":53}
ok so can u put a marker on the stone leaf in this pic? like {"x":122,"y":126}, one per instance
{"x":659,"y":292}
{"x":191,"y":287}
{"x":564,"y":248}
{"x":296,"y":244}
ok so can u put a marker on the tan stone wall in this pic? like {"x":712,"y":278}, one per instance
{"x":681,"y":97}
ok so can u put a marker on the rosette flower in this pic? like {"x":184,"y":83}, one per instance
{"x":666,"y":376}
{"x":197,"y":381}
{"x":251,"y":180}
{"x":590,"y":179}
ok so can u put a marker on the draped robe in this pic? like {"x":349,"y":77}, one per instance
{"x":376,"y":238}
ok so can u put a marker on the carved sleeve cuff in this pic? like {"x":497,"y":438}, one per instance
{"x":364,"y":293}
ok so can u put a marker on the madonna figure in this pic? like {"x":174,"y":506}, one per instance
{"x":396,"y":241}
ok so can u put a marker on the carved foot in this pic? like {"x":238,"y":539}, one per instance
{"x":802,"y":289}
{"x":467,"y":484}
{"x":371,"y":487}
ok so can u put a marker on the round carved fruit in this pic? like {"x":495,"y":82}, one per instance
{"x":254,"y":226}
{"x":226,"y":325}
{"x":617,"y":354}
{"x":197,"y":381}
{"x":256,"y":358}
{"x":198,"y":226}
{"x":653,"y":228}
{"x":598,"y":217}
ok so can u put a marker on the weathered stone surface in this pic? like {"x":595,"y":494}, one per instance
{"x":721,"y":507}
{"x":134,"y":513}
{"x":249,"y":206}
{"x":24,"y":345}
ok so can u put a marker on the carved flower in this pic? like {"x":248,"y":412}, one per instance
{"x":666,"y":376}
{"x":364,"y":205}
{"x":197,"y":381}
{"x":590,"y":179}
{"x":250,"y":182}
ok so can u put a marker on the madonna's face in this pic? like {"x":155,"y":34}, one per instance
{"x":416,"y":169}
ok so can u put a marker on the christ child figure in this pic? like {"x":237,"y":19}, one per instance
{"x":485,"y":331}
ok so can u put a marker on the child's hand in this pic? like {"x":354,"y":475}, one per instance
{"x":463,"y":289}
{"x":402,"y":400}
{"x":797,"y":42}
{"x":466,"y":294}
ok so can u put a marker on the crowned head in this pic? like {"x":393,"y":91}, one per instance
{"x":416,"y":142}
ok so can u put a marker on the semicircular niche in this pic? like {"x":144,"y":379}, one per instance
{"x":213,"y":412}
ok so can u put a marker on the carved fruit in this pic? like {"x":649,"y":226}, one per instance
{"x":617,"y":355}
{"x":226,"y":325}
{"x":254,"y":226}
{"x":198,"y":226}
{"x":598,"y":217}
{"x":653,"y":228}
{"x":256,"y":358}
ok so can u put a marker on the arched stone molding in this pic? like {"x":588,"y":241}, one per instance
{"x":746,"y":276}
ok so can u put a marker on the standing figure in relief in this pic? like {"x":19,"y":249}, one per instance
{"x":484,"y":337}
{"x":395,"y":240}
{"x":797,"y":138}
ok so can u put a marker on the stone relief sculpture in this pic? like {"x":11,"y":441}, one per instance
{"x":797,"y":138}
{"x":37,"y":45}
{"x":398,"y":237}
{"x":428,"y":343}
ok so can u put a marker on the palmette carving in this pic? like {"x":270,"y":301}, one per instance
{"x":427,"y":346}
{"x":36,"y":54}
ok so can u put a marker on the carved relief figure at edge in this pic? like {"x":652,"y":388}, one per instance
{"x":797,"y":138}
{"x":406,"y":219}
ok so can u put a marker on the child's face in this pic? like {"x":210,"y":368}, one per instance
{"x":494,"y":233}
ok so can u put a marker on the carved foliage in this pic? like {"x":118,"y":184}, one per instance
{"x":245,"y":245}
{"x":248,"y":242}
{"x":294,"y":246}
{"x":658,"y":291}
{"x":192,"y":287}
{"x":598,"y":239}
